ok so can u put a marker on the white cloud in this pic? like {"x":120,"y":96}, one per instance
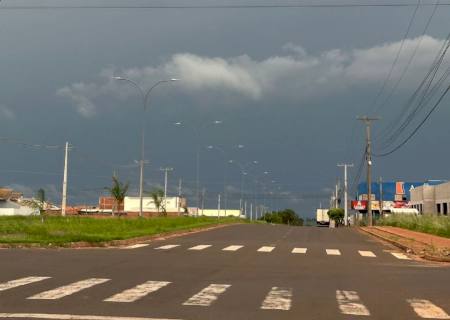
{"x":296,"y":75}
{"x":6,"y":113}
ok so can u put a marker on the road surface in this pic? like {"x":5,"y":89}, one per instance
{"x":237,"y":272}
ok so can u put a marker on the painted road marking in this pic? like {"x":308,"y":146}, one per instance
{"x":299,"y":250}
{"x":70,"y":317}
{"x":168,"y":247}
{"x":207,"y":296}
{"x":232,"y":248}
{"x":369,"y":254}
{"x":137,"y":292}
{"x":278,"y":299}
{"x":20,"y":282}
{"x":349,"y":303}
{"x":400,"y":256}
{"x":333,"y":252}
{"x":68,"y":290}
{"x":200,"y":247}
{"x":428,"y":310}
{"x":266,"y":249}
{"x":136,"y":246}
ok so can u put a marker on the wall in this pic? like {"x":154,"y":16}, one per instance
{"x":131,"y":204}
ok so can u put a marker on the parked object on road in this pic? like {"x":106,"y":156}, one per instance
{"x":322,"y":217}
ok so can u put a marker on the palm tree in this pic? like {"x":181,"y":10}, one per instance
{"x":158,"y":196}
{"x":118,"y":191}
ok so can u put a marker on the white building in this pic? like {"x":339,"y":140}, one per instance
{"x":171,"y":204}
{"x":432,"y":199}
{"x":216,"y":213}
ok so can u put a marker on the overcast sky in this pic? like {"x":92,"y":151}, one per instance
{"x":287,"y":84}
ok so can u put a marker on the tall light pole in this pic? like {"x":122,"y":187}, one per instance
{"x":196,"y":131}
{"x":345,"y":165}
{"x":166,"y":171}
{"x":145,"y":98}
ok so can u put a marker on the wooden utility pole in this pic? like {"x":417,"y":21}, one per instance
{"x":368,"y":121}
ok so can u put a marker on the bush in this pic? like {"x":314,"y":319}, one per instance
{"x":286,"y":216}
{"x":337,"y":214}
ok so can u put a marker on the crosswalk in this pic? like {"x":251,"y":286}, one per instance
{"x":277,"y":298}
{"x":270,"y":249}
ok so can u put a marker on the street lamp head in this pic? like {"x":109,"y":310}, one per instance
{"x":210,"y":147}
{"x":231,"y":161}
{"x":118,"y":78}
{"x":174,"y":79}
{"x":179,"y":123}
{"x":217,"y":121}
{"x":240,"y":146}
{"x":266,"y":172}
{"x":255,"y":161}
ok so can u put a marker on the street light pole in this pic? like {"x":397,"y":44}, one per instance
{"x":145,"y":97}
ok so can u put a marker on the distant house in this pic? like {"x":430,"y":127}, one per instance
{"x":12,"y":208}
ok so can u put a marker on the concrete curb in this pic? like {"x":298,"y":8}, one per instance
{"x":115,"y":244}
{"x":406,"y":248}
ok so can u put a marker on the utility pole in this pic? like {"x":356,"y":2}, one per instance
{"x":368,"y":122}
{"x":203,"y":200}
{"x":64,"y":194}
{"x":218,"y":207}
{"x":251,"y":211}
{"x":381,"y":196}
{"x":336,"y":196}
{"x":179,"y":195}
{"x":166,"y":171}
{"x":345,"y":165}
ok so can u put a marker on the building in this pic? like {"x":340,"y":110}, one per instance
{"x":171,"y":205}
{"x":216,"y":212}
{"x":432,"y":198}
{"x":13,"y":208}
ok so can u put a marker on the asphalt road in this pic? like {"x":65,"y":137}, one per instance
{"x":239,"y":283}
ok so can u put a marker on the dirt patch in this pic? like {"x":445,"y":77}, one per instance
{"x":421,"y":245}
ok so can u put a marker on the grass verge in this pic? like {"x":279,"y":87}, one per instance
{"x":437,"y":225}
{"x":65,"y":230}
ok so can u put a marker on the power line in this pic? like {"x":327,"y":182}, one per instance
{"x":411,"y":58}
{"x":418,"y":127}
{"x":230,"y":6}
{"x":397,"y":56}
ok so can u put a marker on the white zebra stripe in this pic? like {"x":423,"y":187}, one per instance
{"x":400,"y":256}
{"x":200,"y":247}
{"x":299,"y":250}
{"x":137,"y":292}
{"x":278,"y":299}
{"x":68,"y":289}
{"x":232,"y":248}
{"x":266,"y":249}
{"x":349,"y":303}
{"x":70,"y":317}
{"x":20,"y":282}
{"x":427,"y":310}
{"x":136,"y":246}
{"x":333,"y":252}
{"x":207,"y":296}
{"x":368,"y":254}
{"x":168,"y":247}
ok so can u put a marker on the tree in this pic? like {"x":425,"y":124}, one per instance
{"x":118,"y":191}
{"x":337,"y":214}
{"x":158,"y":197}
{"x":286,"y":216}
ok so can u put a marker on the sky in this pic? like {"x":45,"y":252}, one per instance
{"x":287,"y":85}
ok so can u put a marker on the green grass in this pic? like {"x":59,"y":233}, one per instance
{"x":63,"y":230}
{"x":437,"y":225}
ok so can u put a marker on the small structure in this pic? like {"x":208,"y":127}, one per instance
{"x":432,"y":198}
{"x":13,"y":208}
{"x":172,"y":205}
